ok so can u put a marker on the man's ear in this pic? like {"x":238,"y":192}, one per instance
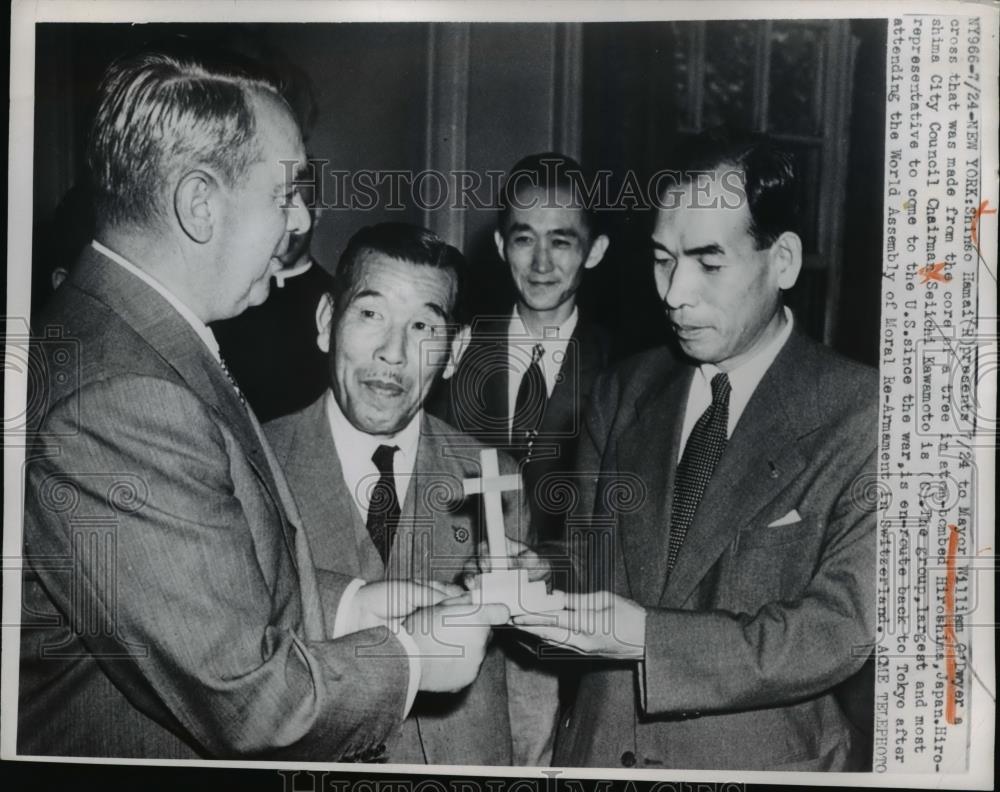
{"x":785,"y":255}
{"x":498,"y":241}
{"x":194,"y":205}
{"x":459,"y":343}
{"x":597,"y":250}
{"x":324,"y":321}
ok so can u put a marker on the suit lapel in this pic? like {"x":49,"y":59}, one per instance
{"x":759,"y":461}
{"x":430,"y":525}
{"x":328,"y":511}
{"x":561,"y":406}
{"x":173,"y":339}
{"x":412,"y":547}
{"x":650,"y":451}
{"x":164,"y":330}
{"x":496,"y":402}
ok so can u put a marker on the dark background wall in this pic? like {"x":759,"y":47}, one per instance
{"x":408,"y":96}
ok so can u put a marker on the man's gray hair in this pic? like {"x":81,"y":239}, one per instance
{"x":159,"y":116}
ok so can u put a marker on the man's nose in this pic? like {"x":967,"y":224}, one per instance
{"x":682,"y":286}
{"x":541,"y":260}
{"x":298,"y":218}
{"x":392,"y":350}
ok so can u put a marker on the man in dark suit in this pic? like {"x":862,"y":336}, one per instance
{"x":525,"y":376}
{"x":740,"y":572}
{"x":387,"y":325}
{"x":170,"y":606}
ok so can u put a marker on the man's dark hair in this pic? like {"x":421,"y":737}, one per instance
{"x":767,"y":174}
{"x":159,"y":114}
{"x":403,"y":242}
{"x":548,"y":171}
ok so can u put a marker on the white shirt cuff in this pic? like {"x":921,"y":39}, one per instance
{"x":413,"y":655}
{"x":346,"y":620}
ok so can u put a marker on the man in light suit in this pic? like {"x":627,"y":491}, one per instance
{"x":170,"y":606}
{"x":740,"y":569}
{"x":525,"y":377}
{"x":388,"y":325}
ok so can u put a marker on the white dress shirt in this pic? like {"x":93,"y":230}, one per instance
{"x":743,"y":381}
{"x":354,"y":450}
{"x":555,"y":342}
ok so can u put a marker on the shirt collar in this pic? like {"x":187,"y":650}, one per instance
{"x":362,"y":445}
{"x":562,"y":332}
{"x":745,"y":378}
{"x":203,"y":331}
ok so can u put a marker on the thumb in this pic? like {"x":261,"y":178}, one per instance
{"x":494,"y":614}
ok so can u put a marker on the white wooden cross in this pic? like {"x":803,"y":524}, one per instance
{"x":502,"y":584}
{"x":490,"y":485}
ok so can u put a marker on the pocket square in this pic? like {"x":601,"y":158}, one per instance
{"x":792,"y":517}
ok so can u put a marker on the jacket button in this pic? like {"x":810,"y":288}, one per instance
{"x":628,"y":759}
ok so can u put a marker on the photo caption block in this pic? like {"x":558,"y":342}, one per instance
{"x":928,"y":412}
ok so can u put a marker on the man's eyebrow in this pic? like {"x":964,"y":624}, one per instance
{"x":660,"y":246}
{"x":519,"y":227}
{"x":364,"y":293}
{"x":298,"y":175}
{"x":438,"y":309}
{"x":568,"y":232}
{"x":713,"y":249}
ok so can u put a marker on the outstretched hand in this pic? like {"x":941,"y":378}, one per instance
{"x":598,"y":624}
{"x":384,"y":602}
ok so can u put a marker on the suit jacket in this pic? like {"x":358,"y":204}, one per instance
{"x":170,"y":609}
{"x":478,"y":403}
{"x":767,"y":609}
{"x":438,"y":531}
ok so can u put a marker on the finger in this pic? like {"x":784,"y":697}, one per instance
{"x":471,"y":564}
{"x":553,"y":619}
{"x":424,"y":595}
{"x":474,"y":613}
{"x":448,"y":589}
{"x":555,"y":635}
{"x":483,"y":561}
{"x":470,"y":581}
{"x":537,"y":567}
{"x":463,"y":598}
{"x":591,"y":600}
{"x":496,"y":614}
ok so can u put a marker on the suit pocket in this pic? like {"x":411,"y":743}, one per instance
{"x":774,"y":535}
{"x":770,"y":563}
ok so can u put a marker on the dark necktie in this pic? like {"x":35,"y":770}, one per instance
{"x":701,"y":455}
{"x":383,"y":507}
{"x":529,"y":406}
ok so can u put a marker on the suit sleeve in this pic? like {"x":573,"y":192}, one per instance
{"x":788,"y":650}
{"x":202,"y":635}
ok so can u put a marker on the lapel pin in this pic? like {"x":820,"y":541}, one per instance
{"x":774,"y":470}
